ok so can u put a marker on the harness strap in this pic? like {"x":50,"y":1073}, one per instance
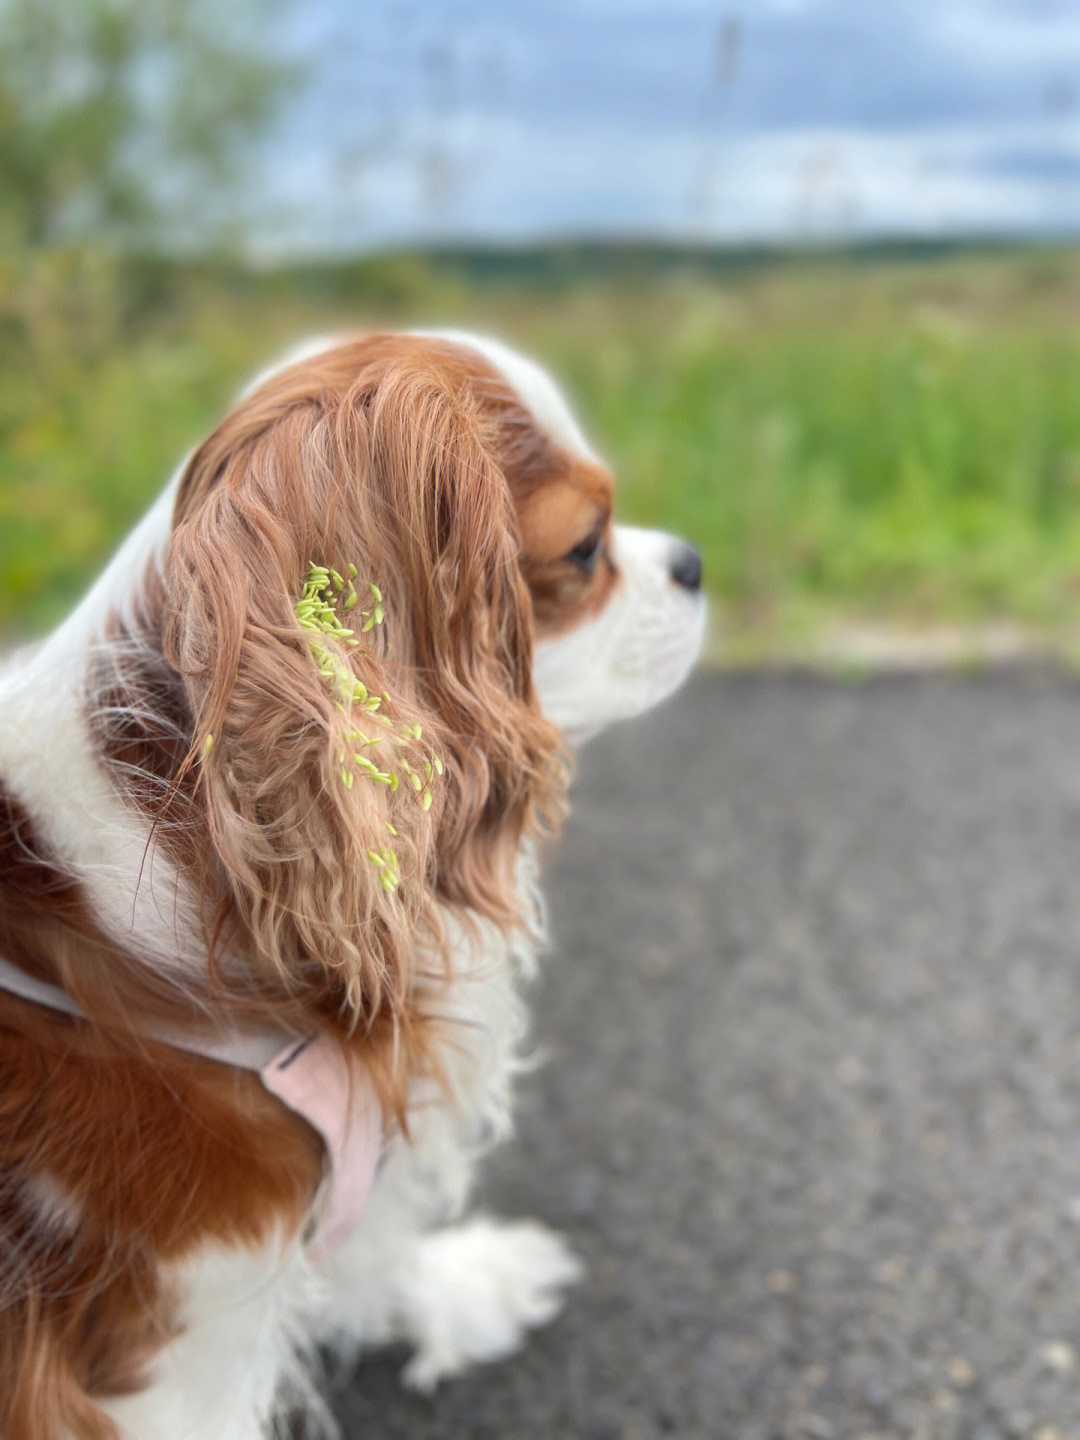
{"x":311,"y":1074}
{"x":248,"y":1049}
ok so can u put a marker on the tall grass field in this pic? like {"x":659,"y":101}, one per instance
{"x":892,"y":440}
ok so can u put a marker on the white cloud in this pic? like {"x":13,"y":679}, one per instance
{"x":979,"y":34}
{"x":559,"y":120}
{"x":518,"y":180}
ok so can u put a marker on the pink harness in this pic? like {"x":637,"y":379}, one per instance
{"x":315,"y":1079}
{"x":313,"y":1076}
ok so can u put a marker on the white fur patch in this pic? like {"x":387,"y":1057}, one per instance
{"x":539,"y":394}
{"x":635,"y":653}
{"x":51,"y":1204}
{"x":476,"y":1289}
{"x":221,"y":1376}
{"x":50,"y":761}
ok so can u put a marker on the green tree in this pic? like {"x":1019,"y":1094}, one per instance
{"x":124,"y":129}
{"x":119,"y":117}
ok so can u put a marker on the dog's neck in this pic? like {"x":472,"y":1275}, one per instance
{"x":52,"y":766}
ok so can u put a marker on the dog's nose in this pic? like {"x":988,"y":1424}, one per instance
{"x":686,"y":567}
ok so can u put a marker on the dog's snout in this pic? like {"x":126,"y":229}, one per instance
{"x":686,"y":567}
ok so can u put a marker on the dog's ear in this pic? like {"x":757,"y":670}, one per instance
{"x":460,"y":593}
{"x":331,"y":825}
{"x":321,"y":844}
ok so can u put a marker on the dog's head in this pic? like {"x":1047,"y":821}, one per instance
{"x":618,"y":614}
{"x":356,"y":786}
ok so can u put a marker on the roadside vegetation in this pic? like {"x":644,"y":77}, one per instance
{"x":892,"y":437}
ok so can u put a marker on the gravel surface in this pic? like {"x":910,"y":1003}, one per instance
{"x":811,"y":1107}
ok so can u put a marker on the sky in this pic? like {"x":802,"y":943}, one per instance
{"x":512,"y":121}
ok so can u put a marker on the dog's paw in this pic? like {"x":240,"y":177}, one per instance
{"x":478,"y":1287}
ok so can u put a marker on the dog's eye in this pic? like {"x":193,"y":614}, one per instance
{"x":587,"y":553}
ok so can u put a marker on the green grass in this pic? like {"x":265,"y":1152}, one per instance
{"x":891,"y":437}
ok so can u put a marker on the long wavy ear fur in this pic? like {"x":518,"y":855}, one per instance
{"x":328,"y":870}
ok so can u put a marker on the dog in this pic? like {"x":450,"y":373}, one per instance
{"x":270,"y":801}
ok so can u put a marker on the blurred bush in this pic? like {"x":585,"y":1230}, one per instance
{"x":122,"y":125}
{"x":118,"y":117}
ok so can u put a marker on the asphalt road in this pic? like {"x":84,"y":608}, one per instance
{"x":811,"y":1111}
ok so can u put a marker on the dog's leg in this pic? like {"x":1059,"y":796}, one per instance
{"x":461,"y":1294}
{"x":238,"y":1328}
{"x":475,"y":1288}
